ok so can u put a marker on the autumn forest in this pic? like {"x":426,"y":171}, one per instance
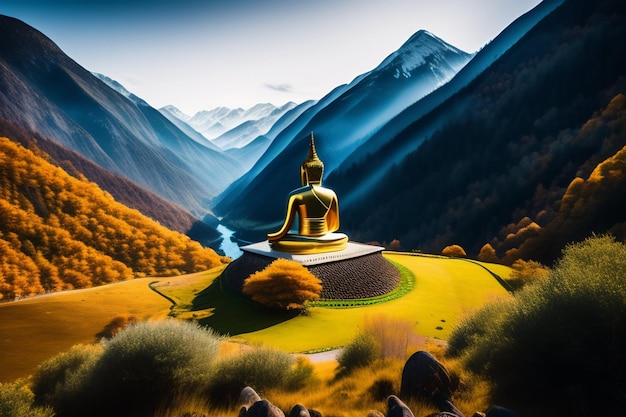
{"x":60,"y":232}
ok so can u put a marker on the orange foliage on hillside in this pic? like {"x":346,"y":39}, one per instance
{"x":59,"y":232}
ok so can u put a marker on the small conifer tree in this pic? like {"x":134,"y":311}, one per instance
{"x":283,"y":285}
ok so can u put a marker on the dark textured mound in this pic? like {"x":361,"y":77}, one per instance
{"x":363,"y":277}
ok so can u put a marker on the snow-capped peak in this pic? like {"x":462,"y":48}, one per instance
{"x":176,"y":112}
{"x":413,"y":52}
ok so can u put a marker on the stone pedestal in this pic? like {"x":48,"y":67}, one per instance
{"x":358,"y":271}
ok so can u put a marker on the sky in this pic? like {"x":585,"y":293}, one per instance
{"x":201,"y":54}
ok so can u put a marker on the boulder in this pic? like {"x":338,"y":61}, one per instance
{"x":396,"y":408}
{"x":299,"y":410}
{"x":248,"y":397}
{"x":263,"y":408}
{"x":423,"y":377}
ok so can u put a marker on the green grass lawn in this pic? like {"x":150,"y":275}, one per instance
{"x":35,"y":329}
{"x":445,"y":289}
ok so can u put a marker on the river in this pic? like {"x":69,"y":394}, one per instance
{"x":228,"y":246}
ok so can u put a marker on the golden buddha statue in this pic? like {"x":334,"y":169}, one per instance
{"x":317,"y":209}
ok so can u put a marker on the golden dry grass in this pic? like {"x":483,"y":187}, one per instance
{"x":32,"y":330}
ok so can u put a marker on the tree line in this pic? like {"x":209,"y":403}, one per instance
{"x":61,"y":232}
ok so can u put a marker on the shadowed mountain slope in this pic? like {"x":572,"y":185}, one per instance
{"x":355,"y":121}
{"x":43,"y":90}
{"x":520,"y":133}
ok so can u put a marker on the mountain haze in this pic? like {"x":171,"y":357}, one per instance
{"x":43,"y":90}
{"x":232,"y":128}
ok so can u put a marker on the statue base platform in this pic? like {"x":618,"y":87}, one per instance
{"x":358,"y":271}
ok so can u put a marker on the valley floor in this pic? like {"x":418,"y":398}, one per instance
{"x":35,"y":329}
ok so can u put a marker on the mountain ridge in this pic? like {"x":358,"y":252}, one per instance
{"x":508,"y":155}
{"x":342,"y":120}
{"x":44,"y":90}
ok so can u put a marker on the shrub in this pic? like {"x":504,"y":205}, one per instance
{"x":61,"y":381}
{"x":360,"y":352}
{"x":526,"y":272}
{"x":115,"y":326}
{"x":454,"y":251}
{"x":16,"y":400}
{"x":283,"y":285}
{"x":153,"y":360}
{"x":300,"y":374}
{"x":261,"y":368}
{"x":557,"y":346}
{"x":382,"y":387}
{"x":140,"y":368}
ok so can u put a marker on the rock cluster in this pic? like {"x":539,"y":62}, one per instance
{"x":363,"y":277}
{"x":423,"y":377}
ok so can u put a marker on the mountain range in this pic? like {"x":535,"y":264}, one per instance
{"x":43,"y":90}
{"x":358,"y":119}
{"x":232,"y":128}
{"x":434,"y":146}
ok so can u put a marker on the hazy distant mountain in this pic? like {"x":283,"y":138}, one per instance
{"x":249,"y":123}
{"x":249,"y":154}
{"x":344,"y":119}
{"x":170,"y":113}
{"x":43,"y":90}
{"x":479,"y":63}
{"x":250,"y":129}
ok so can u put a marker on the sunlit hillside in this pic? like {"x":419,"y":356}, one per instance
{"x":59,"y":232}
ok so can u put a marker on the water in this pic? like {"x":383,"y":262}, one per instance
{"x":228,"y":246}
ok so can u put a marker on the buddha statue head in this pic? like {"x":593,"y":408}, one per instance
{"x":312,"y":169}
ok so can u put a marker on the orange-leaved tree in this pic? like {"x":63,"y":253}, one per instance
{"x":283,"y":285}
{"x":454,"y":251}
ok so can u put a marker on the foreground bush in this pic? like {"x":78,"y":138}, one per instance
{"x":62,"y":381}
{"x":262,"y":368}
{"x":139,"y":369}
{"x":526,"y":272}
{"x":557,"y":348}
{"x":362,"y":351}
{"x":16,"y":400}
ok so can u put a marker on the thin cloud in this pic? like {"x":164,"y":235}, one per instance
{"x":285,"y":88}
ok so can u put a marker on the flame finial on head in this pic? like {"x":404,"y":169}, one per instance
{"x":312,"y":168}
